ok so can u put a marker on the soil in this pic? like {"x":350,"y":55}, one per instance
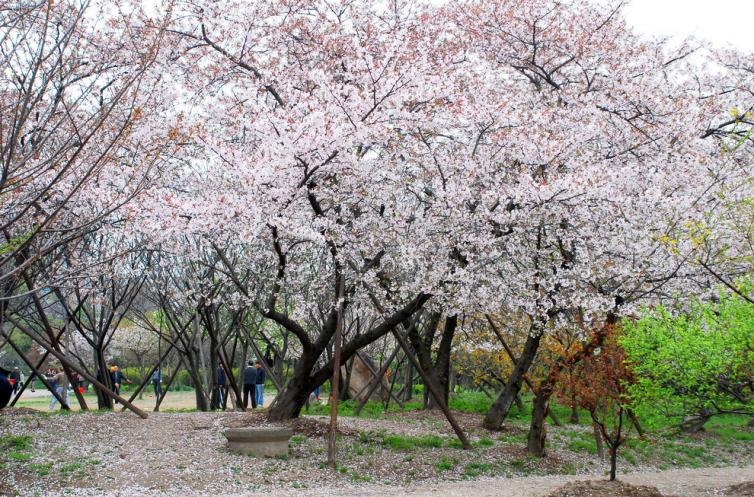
{"x":307,"y":426}
{"x":745,"y":489}
{"x":118,"y":454}
{"x":601,"y":488}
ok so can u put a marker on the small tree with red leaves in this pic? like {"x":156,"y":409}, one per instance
{"x":600,"y":384}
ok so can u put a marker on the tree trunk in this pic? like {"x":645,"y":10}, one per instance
{"x":408,"y":393}
{"x":574,"y":418}
{"x":289,"y":402}
{"x":598,"y":440}
{"x":502,"y":405}
{"x":442,"y":361}
{"x":103,"y":374}
{"x":613,"y":462}
{"x":538,"y":430}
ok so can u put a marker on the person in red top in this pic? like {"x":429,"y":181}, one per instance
{"x":15,"y":380}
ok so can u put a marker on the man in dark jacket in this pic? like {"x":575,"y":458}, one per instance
{"x":249,"y":386}
{"x":220,"y":380}
{"x":259,"y":390}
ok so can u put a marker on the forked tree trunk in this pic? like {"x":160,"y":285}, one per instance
{"x":502,"y":405}
{"x":289,"y":402}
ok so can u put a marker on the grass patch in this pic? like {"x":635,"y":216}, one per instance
{"x":41,"y":469}
{"x":446,"y":464}
{"x":68,"y":469}
{"x":19,"y":456}
{"x":475,"y":469}
{"x":406,"y":443}
{"x":484,"y":442}
{"x":582,"y":446}
{"x":17,"y":442}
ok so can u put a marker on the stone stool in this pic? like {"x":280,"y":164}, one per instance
{"x":260,"y":442}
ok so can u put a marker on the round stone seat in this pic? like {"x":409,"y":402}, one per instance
{"x":260,"y":442}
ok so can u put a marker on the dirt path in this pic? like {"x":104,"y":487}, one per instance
{"x":707,"y":482}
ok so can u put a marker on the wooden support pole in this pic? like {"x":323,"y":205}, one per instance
{"x":375,"y":381}
{"x":148,"y":377}
{"x":334,"y":394}
{"x":164,"y":392}
{"x":439,"y":399}
{"x":392,"y":386}
{"x":428,"y":383}
{"x":229,"y":378}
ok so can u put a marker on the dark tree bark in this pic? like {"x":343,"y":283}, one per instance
{"x":442,"y":361}
{"x":291,"y":400}
{"x":538,"y":429}
{"x":502,"y":405}
{"x":537,"y":434}
{"x":598,"y":440}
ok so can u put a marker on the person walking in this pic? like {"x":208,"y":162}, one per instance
{"x":259,"y":389}
{"x":157,"y":382}
{"x":118,"y":378}
{"x":15,"y":380}
{"x":249,"y":386}
{"x":220,"y":379}
{"x":60,"y":384}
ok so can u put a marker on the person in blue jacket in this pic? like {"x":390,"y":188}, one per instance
{"x":259,"y":390}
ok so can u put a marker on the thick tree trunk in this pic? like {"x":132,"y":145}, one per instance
{"x":502,"y":405}
{"x":598,"y":440}
{"x":289,"y":402}
{"x":442,"y":361}
{"x":103,"y":374}
{"x":613,"y":462}
{"x":538,"y":430}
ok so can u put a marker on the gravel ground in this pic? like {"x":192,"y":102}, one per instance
{"x":169,"y":454}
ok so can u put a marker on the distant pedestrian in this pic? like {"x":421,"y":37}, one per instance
{"x":32,"y":380}
{"x":259,"y":390}
{"x":60,"y":384}
{"x":249,"y":386}
{"x":157,"y":382}
{"x":315,"y":392}
{"x":15,"y":379}
{"x":118,"y":378}
{"x":220,"y":379}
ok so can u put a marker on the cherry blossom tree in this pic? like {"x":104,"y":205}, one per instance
{"x":536,"y":157}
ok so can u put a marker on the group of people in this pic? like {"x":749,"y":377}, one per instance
{"x":253,"y":386}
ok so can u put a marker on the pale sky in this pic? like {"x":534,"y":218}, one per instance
{"x":720,"y":21}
